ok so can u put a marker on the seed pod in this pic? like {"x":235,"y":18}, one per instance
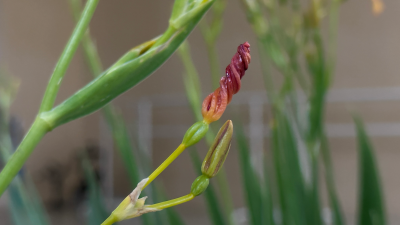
{"x":199,"y":185}
{"x":219,"y":150}
{"x":195,"y":133}
{"x":113,"y":82}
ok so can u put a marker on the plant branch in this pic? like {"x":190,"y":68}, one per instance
{"x":66,"y":56}
{"x":40,"y":127}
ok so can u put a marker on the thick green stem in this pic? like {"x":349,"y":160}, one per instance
{"x":35,"y":134}
{"x":110,"y":220}
{"x":66,"y":56}
{"x":40,"y":127}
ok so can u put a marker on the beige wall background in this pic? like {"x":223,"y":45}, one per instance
{"x":33,"y":34}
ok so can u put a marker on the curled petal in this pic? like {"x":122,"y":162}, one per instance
{"x":215,"y":104}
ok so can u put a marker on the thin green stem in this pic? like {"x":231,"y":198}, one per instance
{"x":214,"y":64}
{"x":332,"y":40}
{"x":35,"y":134}
{"x":165,"y":164}
{"x":173,"y":202}
{"x":66,"y":56}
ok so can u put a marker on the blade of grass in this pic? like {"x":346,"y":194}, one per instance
{"x":371,"y":206}
{"x":268,"y":202}
{"x":290,"y":181}
{"x":330,"y":183}
{"x":250,"y":181}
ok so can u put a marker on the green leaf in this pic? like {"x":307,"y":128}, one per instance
{"x":291,"y":187}
{"x":371,"y":208}
{"x":337,"y":214}
{"x":268,"y":203}
{"x":251,"y":183}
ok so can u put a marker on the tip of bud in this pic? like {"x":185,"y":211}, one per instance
{"x":218,"y":151}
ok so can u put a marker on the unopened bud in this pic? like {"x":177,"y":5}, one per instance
{"x":199,"y":185}
{"x":219,"y":150}
{"x":195,"y":133}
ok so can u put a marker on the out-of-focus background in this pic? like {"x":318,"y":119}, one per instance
{"x":33,"y":34}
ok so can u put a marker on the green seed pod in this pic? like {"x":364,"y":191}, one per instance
{"x":195,"y":133}
{"x":219,"y":150}
{"x":143,"y":61}
{"x":199,"y":185}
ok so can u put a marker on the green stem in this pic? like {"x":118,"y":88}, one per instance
{"x":40,"y":127}
{"x":173,"y":202}
{"x":66,"y":56}
{"x":214,"y":64}
{"x":332,"y":40}
{"x":110,"y":220}
{"x":35,"y":134}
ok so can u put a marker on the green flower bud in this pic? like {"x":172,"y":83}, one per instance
{"x":195,"y":133}
{"x":199,"y":185}
{"x":216,"y":156}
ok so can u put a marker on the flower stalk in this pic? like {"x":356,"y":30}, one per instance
{"x":213,"y":105}
{"x":133,"y":206}
{"x":40,"y":126}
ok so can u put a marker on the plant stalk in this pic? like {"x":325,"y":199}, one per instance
{"x":165,"y":164}
{"x":40,"y":127}
{"x":110,"y":220}
{"x":35,"y":134}
{"x":66,"y":56}
{"x":173,"y":202}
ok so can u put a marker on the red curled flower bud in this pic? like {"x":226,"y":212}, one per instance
{"x":215,"y":104}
